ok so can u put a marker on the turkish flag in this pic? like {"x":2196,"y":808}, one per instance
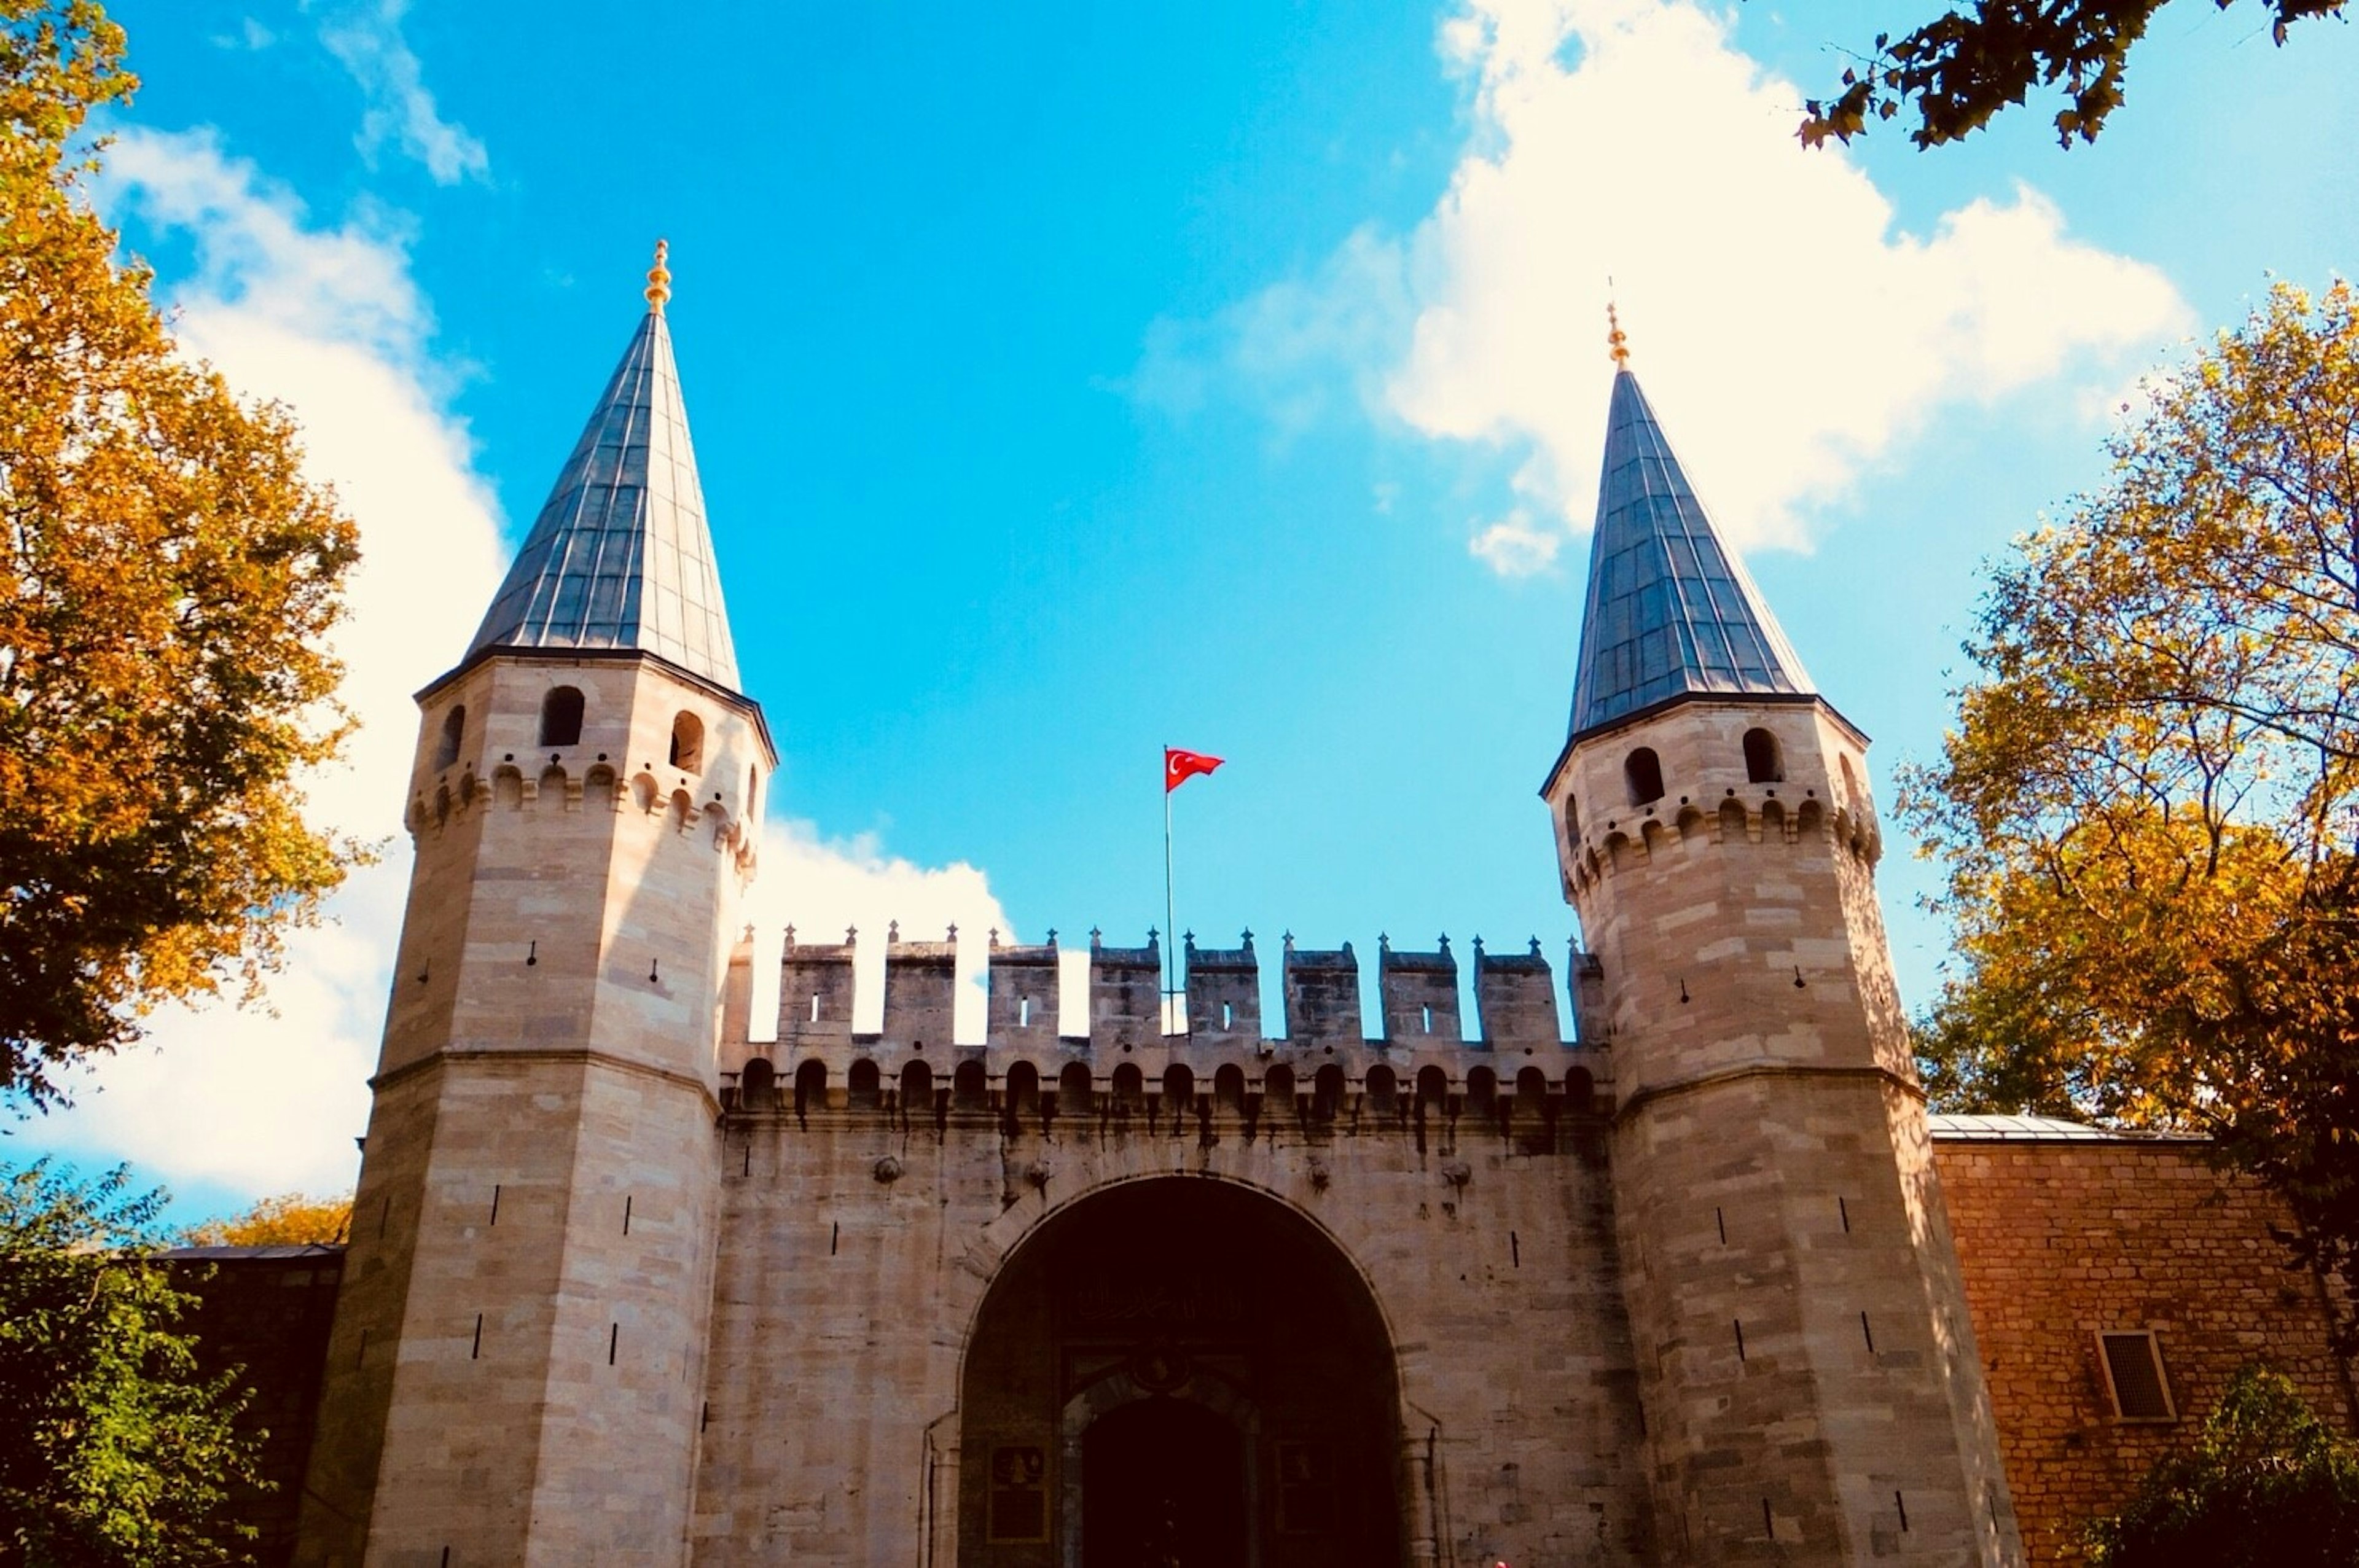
{"x":1179,"y":767}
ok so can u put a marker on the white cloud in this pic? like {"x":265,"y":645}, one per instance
{"x":365,"y":37}
{"x":1513,"y":548}
{"x":328,"y":319}
{"x":822,"y":886}
{"x":251,"y":35}
{"x":1789,"y":333}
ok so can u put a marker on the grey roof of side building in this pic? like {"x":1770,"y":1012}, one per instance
{"x":1672,"y":611}
{"x":620,"y":555}
{"x":319,"y":1251}
{"x":1956,"y":1128}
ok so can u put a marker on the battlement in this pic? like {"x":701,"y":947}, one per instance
{"x":819,"y":1061}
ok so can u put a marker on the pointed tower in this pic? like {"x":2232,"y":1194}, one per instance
{"x":516,"y":1363}
{"x":1807,"y":1365}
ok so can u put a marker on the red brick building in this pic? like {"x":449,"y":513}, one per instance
{"x":2117,"y":1282}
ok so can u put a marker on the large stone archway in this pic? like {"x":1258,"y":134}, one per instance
{"x":1179,"y":1372}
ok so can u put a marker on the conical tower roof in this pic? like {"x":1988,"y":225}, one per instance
{"x":620,"y":556}
{"x":1671,"y":612}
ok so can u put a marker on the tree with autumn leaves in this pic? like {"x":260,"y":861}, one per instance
{"x":167,"y":580}
{"x":2148,"y":809}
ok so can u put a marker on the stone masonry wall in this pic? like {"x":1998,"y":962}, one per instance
{"x":2063,"y":1239}
{"x":858,"y":1244}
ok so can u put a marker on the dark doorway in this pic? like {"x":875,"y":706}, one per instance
{"x":1179,"y":1371}
{"x":1164,"y":1484}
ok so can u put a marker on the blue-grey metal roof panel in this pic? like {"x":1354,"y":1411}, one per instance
{"x":620,"y":555}
{"x":1672,"y":611}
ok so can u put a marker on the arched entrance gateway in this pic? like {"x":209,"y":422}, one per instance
{"x":1179,"y":1372}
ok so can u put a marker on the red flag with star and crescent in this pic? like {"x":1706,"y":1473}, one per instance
{"x":1180,"y":766}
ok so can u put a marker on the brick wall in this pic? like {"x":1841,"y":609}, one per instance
{"x":2063,"y":1238}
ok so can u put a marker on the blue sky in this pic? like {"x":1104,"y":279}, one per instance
{"x":1068,"y":380}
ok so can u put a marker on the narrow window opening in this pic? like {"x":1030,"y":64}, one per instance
{"x":561,"y":716}
{"x":834,"y":1237}
{"x":2134,"y":1376}
{"x":455,"y":729}
{"x":688,"y":744}
{"x":1762,"y":762}
{"x":1844,"y":1209}
{"x":1428,"y":1012}
{"x":1769,"y":1525}
{"x":704,"y":1417}
{"x":1740,"y":1337}
{"x":613,"y":1341}
{"x":384,"y":1217}
{"x":446,"y":1557}
{"x":1514,"y":1251}
{"x":1024,"y":1013}
{"x":1228,"y":1019}
{"x":363,"y":1355}
{"x":495,"y":1203}
{"x":814,"y":1017}
{"x":475,"y":1352}
{"x":627,"y":1214}
{"x":1868,"y":1334}
{"x":1643,"y":771}
{"x":753,"y":791}
{"x":1721,"y":1220}
{"x":1901,"y":1504}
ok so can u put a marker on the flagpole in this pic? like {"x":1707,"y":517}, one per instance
{"x":1170,"y":955}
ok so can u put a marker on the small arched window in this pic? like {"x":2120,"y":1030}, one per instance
{"x":753,"y":790}
{"x":1023,"y":1089}
{"x":1433,"y":1086}
{"x":917,"y":1086}
{"x":1571,"y":820}
{"x":1762,"y":762}
{"x":1129,"y":1085}
{"x":455,"y":729}
{"x":1075,"y":1088}
{"x":1643,"y":771}
{"x":1531,"y":1089}
{"x":969,"y":1089}
{"x":1383,"y":1090}
{"x":688,"y":744}
{"x":862,"y":1082}
{"x":1327,"y":1092}
{"x":758,"y":1085}
{"x":561,"y":716}
{"x":1179,"y":1089}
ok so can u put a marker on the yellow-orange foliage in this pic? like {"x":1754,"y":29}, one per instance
{"x":290,"y":1219}
{"x":168,"y":577}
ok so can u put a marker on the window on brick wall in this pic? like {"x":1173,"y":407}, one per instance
{"x":2133,"y":1361}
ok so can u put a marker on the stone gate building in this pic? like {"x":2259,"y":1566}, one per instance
{"x":630,"y":1281}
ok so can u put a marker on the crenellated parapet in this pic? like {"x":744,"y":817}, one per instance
{"x":1322,"y":1076}
{"x":558,"y":789}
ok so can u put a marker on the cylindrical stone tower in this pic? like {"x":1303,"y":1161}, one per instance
{"x":515,"y":1370}
{"x":1807,"y":1364}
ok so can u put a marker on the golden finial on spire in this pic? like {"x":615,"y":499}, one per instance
{"x":659,"y":278}
{"x":1617,"y":341}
